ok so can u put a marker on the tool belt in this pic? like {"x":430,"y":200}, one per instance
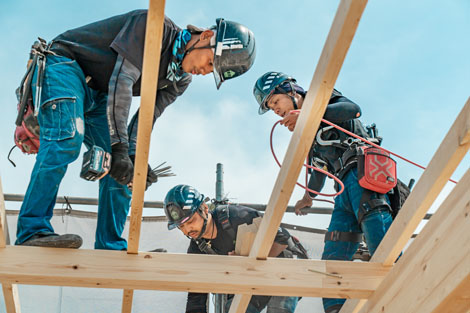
{"x":27,"y":127}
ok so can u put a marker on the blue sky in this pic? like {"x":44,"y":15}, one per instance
{"x":408,"y":68}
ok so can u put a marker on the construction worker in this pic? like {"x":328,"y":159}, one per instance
{"x":215,"y":232}
{"x":90,"y":76}
{"x":353,"y":215}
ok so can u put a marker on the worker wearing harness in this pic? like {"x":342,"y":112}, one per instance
{"x":88,"y":79}
{"x":215,"y":232}
{"x":357,"y":211}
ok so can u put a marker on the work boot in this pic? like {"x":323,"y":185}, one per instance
{"x":52,"y":240}
{"x":159,"y":250}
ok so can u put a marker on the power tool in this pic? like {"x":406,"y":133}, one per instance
{"x":96,"y":164}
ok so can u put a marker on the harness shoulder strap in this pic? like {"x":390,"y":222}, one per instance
{"x":223,"y":219}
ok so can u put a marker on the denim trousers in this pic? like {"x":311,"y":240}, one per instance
{"x":273,"y":304}
{"x":344,"y":218}
{"x":71,"y":114}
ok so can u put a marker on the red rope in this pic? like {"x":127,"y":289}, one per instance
{"x":306,"y":173}
{"x":325,"y":172}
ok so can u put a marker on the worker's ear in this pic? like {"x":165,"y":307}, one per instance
{"x":206,"y":35}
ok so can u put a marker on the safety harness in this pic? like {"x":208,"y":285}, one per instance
{"x":376,"y":174}
{"x":294,"y":247}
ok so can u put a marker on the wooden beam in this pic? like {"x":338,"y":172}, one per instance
{"x":436,"y":264}
{"x":10,"y":291}
{"x":458,"y":301}
{"x":331,"y":60}
{"x":207,"y":273}
{"x":151,"y":64}
{"x":150,"y":68}
{"x":12,"y":300}
{"x":444,"y":162}
{"x":4,"y":237}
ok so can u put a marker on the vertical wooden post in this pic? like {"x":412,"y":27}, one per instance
{"x":151,"y":65}
{"x":10,"y":291}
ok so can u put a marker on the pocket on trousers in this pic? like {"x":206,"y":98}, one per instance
{"x":57,"y":118}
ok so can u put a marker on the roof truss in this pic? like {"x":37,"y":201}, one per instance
{"x":378,"y":281}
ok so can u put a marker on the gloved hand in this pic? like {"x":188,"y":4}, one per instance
{"x":122,"y":168}
{"x":151,"y":176}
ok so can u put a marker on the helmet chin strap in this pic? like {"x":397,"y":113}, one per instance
{"x":204,"y":226}
{"x":292,"y":97}
{"x":209,"y":46}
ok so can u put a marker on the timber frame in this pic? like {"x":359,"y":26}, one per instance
{"x":433,"y":275}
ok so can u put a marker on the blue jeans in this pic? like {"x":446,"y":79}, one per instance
{"x":274,"y":304}
{"x":344,"y":218}
{"x":71,"y":114}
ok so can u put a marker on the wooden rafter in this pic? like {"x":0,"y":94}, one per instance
{"x":444,"y":162}
{"x":151,"y":65}
{"x":10,"y":291}
{"x":418,"y":282}
{"x":329,"y":65}
{"x":207,"y":273}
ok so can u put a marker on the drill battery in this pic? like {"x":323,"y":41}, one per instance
{"x":96,"y":164}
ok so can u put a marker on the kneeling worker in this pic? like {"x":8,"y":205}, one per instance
{"x":215,"y":232}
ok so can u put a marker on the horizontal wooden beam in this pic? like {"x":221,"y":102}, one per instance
{"x":443,"y":164}
{"x":436,"y":263}
{"x":187,"y":272}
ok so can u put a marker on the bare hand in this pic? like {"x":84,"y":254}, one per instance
{"x":305,"y":202}
{"x":232,"y":253}
{"x":290,"y":120}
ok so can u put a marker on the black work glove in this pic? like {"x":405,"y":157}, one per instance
{"x":122,"y":168}
{"x":151,"y":176}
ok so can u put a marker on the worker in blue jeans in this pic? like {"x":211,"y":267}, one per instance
{"x":91,"y":74}
{"x":357,"y":211}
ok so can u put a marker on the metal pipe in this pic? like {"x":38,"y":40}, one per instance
{"x":159,"y":204}
{"x":219,"y":184}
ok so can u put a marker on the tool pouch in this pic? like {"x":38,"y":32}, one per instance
{"x":27,"y":133}
{"x":376,"y":170}
{"x":27,"y":127}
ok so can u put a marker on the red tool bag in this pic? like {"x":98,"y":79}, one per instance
{"x":27,"y":133}
{"x":376,"y":170}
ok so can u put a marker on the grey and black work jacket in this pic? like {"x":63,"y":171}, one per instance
{"x":110,"y":51}
{"x":225,"y":243}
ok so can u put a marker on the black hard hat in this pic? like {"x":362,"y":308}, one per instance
{"x":235,"y":50}
{"x":180,"y":203}
{"x":265,"y":87}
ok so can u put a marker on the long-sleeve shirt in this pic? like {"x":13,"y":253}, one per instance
{"x":225,"y":243}
{"x":110,"y":51}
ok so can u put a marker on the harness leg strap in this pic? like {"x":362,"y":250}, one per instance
{"x":368,"y":205}
{"x":343,"y":236}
